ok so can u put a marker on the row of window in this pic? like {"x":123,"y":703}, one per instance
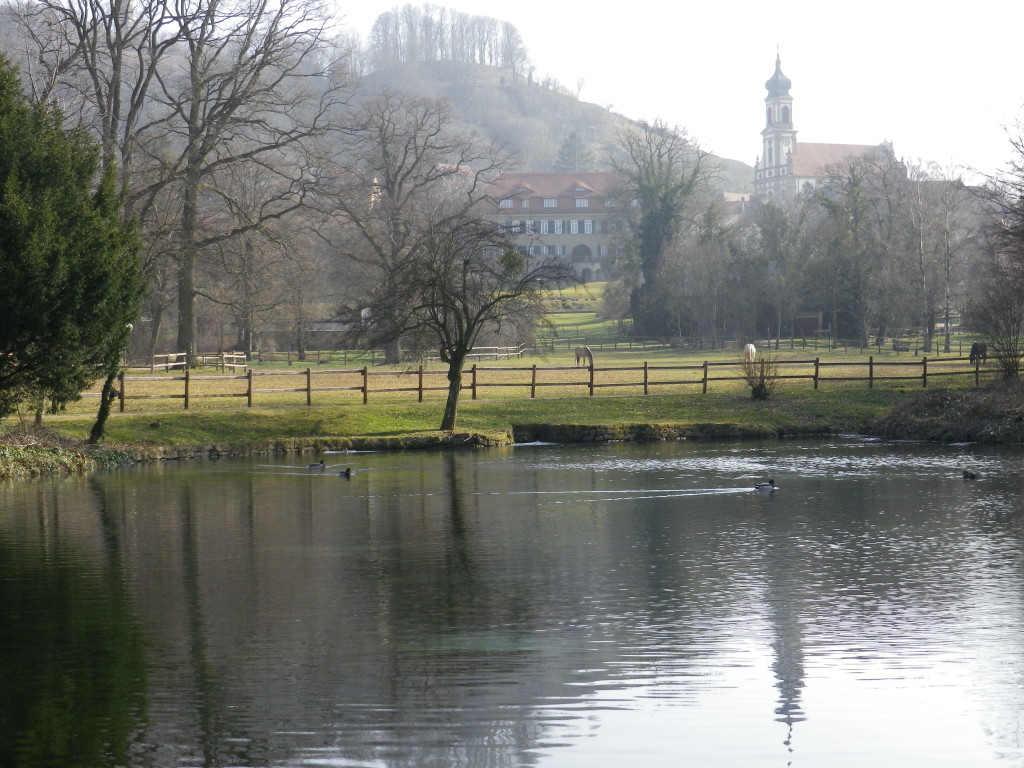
{"x":559,"y":227}
{"x":771,"y":173}
{"x":551,"y":202}
{"x":541,"y":250}
{"x":559,"y":250}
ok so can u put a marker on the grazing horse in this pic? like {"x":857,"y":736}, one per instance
{"x":979,"y":352}
{"x":584,"y":353}
{"x":748,"y":353}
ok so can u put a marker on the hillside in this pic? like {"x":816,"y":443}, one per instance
{"x":531,"y":119}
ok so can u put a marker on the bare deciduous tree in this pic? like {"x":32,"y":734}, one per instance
{"x":997,"y":301}
{"x":462,"y":278}
{"x":424,"y":263}
{"x":254,"y":86}
{"x":400,"y":166}
{"x":182,"y":94}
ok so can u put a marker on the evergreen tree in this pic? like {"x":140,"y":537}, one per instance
{"x":668,"y":175}
{"x":574,"y":156}
{"x":69,"y":270}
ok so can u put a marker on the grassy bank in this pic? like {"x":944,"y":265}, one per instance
{"x":802,"y":411}
{"x":994,"y":413}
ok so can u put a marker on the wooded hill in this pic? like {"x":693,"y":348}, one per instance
{"x":534,"y":121}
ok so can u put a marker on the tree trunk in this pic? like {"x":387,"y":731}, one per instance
{"x":154,"y":332}
{"x":451,"y":406}
{"x":945,"y":305}
{"x":106,"y":400}
{"x":187,"y":263}
{"x":187,"y":307}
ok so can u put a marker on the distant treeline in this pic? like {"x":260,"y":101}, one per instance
{"x":429,"y":33}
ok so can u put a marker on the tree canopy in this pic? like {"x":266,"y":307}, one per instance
{"x":667,"y":174}
{"x":69,"y":271}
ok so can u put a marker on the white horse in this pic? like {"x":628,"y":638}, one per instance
{"x":749,"y":353}
{"x":584,"y":353}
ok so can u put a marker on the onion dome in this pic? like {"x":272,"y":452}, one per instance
{"x":778,"y":84}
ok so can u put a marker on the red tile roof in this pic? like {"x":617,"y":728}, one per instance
{"x":600,"y":184}
{"x":811,"y":159}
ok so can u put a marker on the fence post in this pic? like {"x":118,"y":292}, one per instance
{"x":473,"y":381}
{"x":309,"y":385}
{"x":817,"y":370}
{"x":533,"y":381}
{"x":645,"y":377}
{"x":366,"y":384}
{"x":924,"y":372}
{"x":705,"y":377}
{"x":977,"y":368}
{"x":120,"y":390}
{"x":186,"y":387}
{"x":591,"y":366}
{"x":248,"y":389}
{"x":871,"y":371}
{"x":420,"y":384}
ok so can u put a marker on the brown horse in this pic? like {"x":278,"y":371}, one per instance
{"x":979,"y":352}
{"x":584,"y":353}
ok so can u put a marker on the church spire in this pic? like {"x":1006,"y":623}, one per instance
{"x":778,"y":137}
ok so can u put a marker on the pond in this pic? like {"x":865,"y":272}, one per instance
{"x":539,"y":605}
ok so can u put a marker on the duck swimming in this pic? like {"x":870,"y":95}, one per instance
{"x":769,"y":486}
{"x":318,"y":465}
{"x":968,"y":475}
{"x":346,"y":472}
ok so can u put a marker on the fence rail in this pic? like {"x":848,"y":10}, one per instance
{"x":914,"y":345}
{"x":646,"y":379}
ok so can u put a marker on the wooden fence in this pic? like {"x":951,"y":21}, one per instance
{"x":914,"y":345}
{"x":322,"y":357}
{"x":224,"y":361}
{"x":358,"y":384}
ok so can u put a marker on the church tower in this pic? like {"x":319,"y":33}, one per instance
{"x":778,"y":137}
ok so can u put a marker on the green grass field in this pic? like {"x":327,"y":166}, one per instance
{"x":619,"y":370}
{"x":542,"y":387}
{"x":839,"y":409}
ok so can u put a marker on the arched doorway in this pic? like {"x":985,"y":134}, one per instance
{"x":581,"y":254}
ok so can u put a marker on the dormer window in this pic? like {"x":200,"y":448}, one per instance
{"x":550,"y":202}
{"x":582,"y":202}
{"x":508,"y":202}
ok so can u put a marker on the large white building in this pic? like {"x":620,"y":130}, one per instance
{"x":788,"y":167}
{"x":569,"y":215}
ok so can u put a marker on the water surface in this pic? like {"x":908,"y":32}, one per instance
{"x":534,"y":606}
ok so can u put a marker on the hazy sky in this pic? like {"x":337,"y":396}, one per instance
{"x":938,"y":80}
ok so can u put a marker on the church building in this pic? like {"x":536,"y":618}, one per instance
{"x":788,"y":168}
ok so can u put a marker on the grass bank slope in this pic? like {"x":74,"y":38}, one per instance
{"x":992,"y":414}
